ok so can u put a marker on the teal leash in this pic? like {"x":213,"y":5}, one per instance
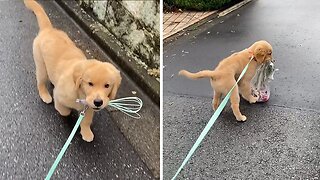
{"x":66,"y":144}
{"x":128,"y":105}
{"x":210,"y":123}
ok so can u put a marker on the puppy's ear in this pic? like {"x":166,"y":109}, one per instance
{"x":116,"y":85}
{"x":77,"y":74}
{"x":259,"y":54}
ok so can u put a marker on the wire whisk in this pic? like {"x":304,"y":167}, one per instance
{"x":128,"y":105}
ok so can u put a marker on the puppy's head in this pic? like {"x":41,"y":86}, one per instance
{"x":262,"y":51}
{"x":99,"y":82}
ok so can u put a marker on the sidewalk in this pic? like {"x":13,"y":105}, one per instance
{"x":174,"y":22}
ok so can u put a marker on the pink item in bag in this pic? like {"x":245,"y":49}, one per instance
{"x":260,"y":81}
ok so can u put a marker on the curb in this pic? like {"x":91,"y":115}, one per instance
{"x":112,"y":46}
{"x":233,"y":8}
{"x":217,"y":14}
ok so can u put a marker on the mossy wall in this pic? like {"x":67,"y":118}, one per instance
{"x":135,"y":23}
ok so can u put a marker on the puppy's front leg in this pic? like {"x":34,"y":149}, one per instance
{"x":64,"y":111}
{"x":235,"y":100}
{"x":245,"y":90}
{"x":85,"y":131}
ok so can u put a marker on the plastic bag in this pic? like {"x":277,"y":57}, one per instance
{"x":260,"y":81}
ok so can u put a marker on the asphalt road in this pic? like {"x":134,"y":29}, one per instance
{"x":281,"y":138}
{"x":32,"y":133}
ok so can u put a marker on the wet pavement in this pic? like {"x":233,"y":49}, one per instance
{"x":280,"y":139}
{"x":32,"y":133}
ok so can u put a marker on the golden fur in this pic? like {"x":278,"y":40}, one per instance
{"x":74,"y":77}
{"x":226,"y":73}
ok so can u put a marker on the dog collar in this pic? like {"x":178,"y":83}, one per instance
{"x":82,"y":101}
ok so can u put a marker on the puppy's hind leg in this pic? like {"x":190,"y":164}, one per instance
{"x":216,"y":100}
{"x":41,"y":74}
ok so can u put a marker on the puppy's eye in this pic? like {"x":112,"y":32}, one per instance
{"x":90,"y":84}
{"x":106,"y":85}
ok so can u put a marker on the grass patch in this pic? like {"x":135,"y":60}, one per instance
{"x":198,"y":5}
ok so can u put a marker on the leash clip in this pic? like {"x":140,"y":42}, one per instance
{"x":83,"y":112}
{"x":82,"y":101}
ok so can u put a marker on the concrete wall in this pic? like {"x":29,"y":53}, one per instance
{"x":135,"y":23}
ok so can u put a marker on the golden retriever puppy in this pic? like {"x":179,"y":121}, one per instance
{"x":74,"y":77}
{"x":227,"y":72}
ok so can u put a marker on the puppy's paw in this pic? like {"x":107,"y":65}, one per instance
{"x":253,"y":99}
{"x":46,"y":98}
{"x":242,"y":118}
{"x":87,"y":135}
{"x":215,"y":107}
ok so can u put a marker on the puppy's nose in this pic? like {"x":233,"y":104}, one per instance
{"x":98,"y":102}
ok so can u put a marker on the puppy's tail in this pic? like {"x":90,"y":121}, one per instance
{"x":43,"y":19}
{"x":200,"y":74}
